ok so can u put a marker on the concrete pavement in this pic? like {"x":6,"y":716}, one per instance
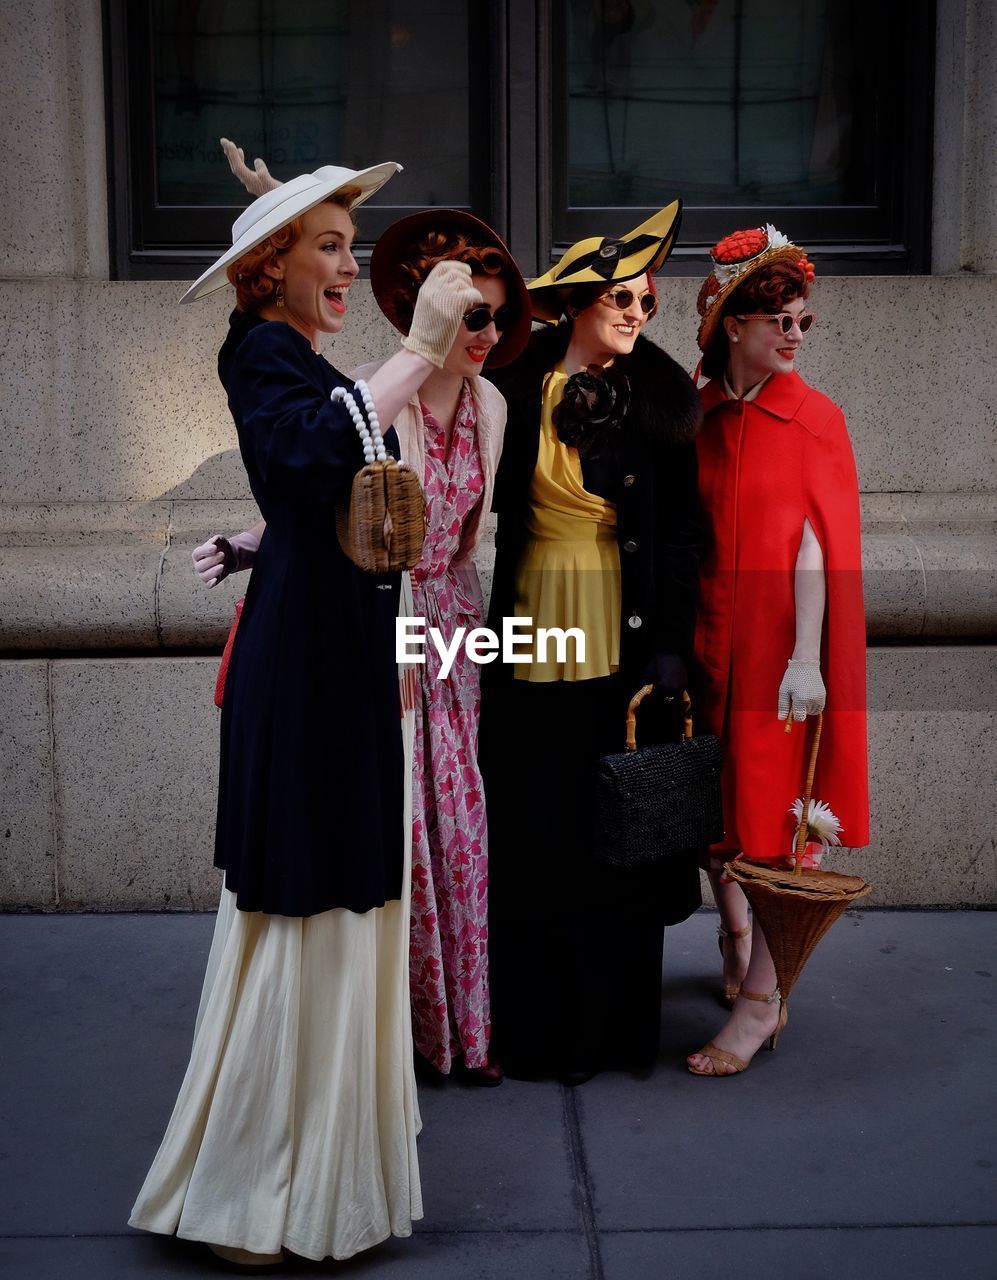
{"x":864,"y":1147}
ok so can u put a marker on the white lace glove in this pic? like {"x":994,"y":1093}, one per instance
{"x":220,"y":556}
{"x":258,"y":180}
{"x":802,"y":690}
{"x":445,"y":297}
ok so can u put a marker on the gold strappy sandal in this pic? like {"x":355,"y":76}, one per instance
{"x":720,"y":1059}
{"x":730,"y":989}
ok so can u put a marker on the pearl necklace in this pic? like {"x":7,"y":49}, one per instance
{"x":371,"y":439}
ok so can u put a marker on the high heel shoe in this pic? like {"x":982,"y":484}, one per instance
{"x":243,"y":1260}
{"x":730,"y":989}
{"x":487,"y":1076}
{"x":720,"y":1059}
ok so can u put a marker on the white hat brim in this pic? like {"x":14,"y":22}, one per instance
{"x":275,"y":209}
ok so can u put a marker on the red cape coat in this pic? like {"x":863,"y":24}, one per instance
{"x":764,"y":467}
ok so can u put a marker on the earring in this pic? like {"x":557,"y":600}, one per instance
{"x":733,"y":336}
{"x":279,"y":296}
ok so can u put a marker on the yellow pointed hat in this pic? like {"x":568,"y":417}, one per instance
{"x":607,"y":260}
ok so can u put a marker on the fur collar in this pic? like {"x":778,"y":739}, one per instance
{"x":665,"y":406}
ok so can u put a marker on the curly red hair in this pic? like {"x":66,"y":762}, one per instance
{"x":438,"y":246}
{"x":767,"y":290}
{"x":254,"y":289}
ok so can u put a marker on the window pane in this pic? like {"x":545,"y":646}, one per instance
{"x":309,"y":82}
{"x":725,"y":102}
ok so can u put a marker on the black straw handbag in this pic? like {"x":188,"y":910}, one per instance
{"x":661,"y":802}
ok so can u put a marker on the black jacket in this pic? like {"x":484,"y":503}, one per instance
{"x":310,"y":812}
{"x":648,"y":470}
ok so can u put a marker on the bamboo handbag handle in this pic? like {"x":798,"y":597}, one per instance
{"x":638,"y":698}
{"x":801,"y":835}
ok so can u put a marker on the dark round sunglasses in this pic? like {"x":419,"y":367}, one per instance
{"x":785,"y":319}
{"x":481,"y":317}
{"x":622,"y":298}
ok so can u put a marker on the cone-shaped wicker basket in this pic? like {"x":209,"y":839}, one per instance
{"x":795,"y":908}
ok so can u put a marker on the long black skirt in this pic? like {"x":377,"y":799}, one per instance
{"x":575,"y":947}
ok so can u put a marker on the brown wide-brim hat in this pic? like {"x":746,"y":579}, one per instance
{"x":401,"y":242}
{"x":605,"y":260}
{"x":735,"y":258}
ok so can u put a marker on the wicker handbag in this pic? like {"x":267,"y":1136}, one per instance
{"x":795,"y":908}
{"x":383,"y":526}
{"x":658,"y":803}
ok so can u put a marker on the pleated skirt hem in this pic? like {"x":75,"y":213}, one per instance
{"x":303,"y":1249}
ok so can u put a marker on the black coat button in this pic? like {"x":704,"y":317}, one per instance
{"x":630,"y":545}
{"x":635,"y":621}
{"x":628,"y":481}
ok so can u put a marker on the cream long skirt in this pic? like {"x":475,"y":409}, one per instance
{"x":296,"y":1121}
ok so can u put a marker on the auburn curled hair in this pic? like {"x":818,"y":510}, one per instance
{"x":767,"y":290}
{"x":439,"y":246}
{"x":254,"y":289}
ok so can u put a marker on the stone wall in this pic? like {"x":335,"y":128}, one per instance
{"x":112,"y":394}
{"x":110,"y":764}
{"x":117,"y":455}
{"x":122,"y":456}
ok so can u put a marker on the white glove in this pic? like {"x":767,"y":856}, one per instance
{"x":220,"y":556}
{"x":802,"y":689}
{"x":445,"y":297}
{"x":258,"y":180}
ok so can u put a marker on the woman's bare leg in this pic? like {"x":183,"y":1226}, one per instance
{"x":751,"y":1021}
{"x":733,"y":908}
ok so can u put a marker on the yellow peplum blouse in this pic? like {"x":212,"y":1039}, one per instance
{"x":569,"y":574}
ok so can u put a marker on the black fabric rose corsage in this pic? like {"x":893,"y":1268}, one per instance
{"x":592,"y":408}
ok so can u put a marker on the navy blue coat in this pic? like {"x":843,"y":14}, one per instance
{"x":310,"y":789}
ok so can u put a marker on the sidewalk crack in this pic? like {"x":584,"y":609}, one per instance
{"x":581,"y":1182}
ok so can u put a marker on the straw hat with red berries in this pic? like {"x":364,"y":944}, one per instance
{"x":736,"y":257}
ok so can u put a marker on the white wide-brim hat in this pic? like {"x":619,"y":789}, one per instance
{"x":269,"y":212}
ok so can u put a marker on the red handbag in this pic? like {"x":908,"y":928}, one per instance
{"x":226,"y":654}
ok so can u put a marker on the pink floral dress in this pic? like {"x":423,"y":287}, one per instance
{"x":449,"y":944}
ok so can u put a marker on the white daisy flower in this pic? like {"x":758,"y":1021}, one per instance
{"x":822,"y":823}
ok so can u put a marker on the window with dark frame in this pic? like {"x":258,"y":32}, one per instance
{"x":301,"y":83}
{"x":750,"y":110}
